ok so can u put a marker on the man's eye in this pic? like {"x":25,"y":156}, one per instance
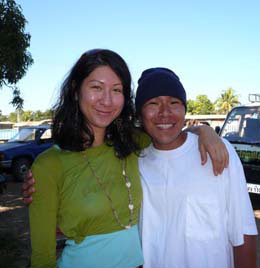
{"x":174,"y":102}
{"x":152,"y":103}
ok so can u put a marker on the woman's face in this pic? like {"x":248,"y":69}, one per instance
{"x":101,"y":99}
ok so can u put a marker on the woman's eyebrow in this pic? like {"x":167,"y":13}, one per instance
{"x":100,"y":81}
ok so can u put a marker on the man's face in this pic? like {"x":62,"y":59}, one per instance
{"x":163,"y":120}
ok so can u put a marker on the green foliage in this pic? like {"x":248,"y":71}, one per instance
{"x":38,"y":115}
{"x":191,"y":106}
{"x":226,"y":101}
{"x":26,"y":115}
{"x":12,"y":117}
{"x":3,"y":118}
{"x":14,"y":57}
{"x":202,"y":105}
{"x":30,"y":115}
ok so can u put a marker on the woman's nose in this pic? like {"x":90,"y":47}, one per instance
{"x":106,"y":98}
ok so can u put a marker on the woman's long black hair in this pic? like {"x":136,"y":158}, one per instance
{"x":70,"y":129}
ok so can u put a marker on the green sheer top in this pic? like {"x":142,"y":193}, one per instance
{"x":68,"y":196}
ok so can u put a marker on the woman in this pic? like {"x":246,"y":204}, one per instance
{"x":88,"y":182}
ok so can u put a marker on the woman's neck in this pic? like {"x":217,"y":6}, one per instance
{"x":99,"y":137}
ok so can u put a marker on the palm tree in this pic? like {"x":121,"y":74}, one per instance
{"x":226,"y":101}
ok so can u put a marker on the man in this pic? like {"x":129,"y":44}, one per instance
{"x":190,"y":218}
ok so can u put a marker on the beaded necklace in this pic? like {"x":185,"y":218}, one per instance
{"x":130,"y":198}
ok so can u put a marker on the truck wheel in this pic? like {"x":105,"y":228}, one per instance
{"x":20,"y":168}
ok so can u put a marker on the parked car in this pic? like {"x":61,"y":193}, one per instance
{"x":242,"y":129}
{"x":18,"y":154}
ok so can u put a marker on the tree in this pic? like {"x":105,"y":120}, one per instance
{"x":38,"y":115}
{"x":27,"y":116}
{"x":191,"y":106}
{"x":226,"y":101}
{"x":14,"y":57}
{"x":3,"y":117}
{"x":48,"y":114}
{"x":12,"y":117}
{"x":202,"y":105}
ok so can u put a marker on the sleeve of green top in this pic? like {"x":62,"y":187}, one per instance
{"x":43,"y":210}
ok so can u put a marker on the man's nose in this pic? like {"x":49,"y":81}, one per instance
{"x":164,"y":110}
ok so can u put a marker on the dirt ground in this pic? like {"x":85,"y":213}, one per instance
{"x":14,"y":229}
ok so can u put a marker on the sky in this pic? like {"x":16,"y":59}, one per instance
{"x":210,"y":45}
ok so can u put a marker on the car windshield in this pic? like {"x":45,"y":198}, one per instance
{"x":243,"y":125}
{"x":26,"y":134}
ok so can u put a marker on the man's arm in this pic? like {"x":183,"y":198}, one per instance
{"x":245,"y":255}
{"x":211,"y":143}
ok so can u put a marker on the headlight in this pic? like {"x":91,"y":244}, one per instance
{"x":2,"y":156}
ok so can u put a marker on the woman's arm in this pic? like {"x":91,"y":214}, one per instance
{"x":43,"y":213}
{"x":211,"y":143}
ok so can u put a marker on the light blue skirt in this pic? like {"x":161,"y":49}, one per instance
{"x":120,"y":249}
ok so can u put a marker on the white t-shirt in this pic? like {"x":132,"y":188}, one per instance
{"x":191,"y":218}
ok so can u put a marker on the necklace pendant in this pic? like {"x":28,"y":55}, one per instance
{"x":131,"y":206}
{"x":106,"y":192}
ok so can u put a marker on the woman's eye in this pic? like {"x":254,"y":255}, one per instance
{"x":118,"y":90}
{"x":97,"y":88}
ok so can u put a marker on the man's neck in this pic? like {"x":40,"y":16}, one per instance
{"x":180,"y":140}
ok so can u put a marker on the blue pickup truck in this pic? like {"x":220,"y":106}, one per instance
{"x":18,"y":154}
